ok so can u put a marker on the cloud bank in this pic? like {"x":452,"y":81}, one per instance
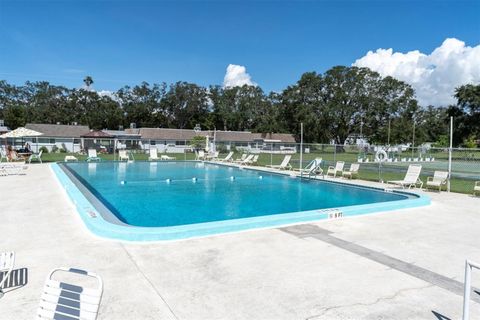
{"x":434,"y":76}
{"x":237,"y":76}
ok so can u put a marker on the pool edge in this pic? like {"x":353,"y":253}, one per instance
{"x":95,"y":222}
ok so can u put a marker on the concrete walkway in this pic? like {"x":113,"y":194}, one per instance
{"x":406,"y":264}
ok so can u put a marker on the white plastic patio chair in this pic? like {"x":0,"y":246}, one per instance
{"x":167,"y":158}
{"x":123,"y":155}
{"x":438,"y":180}
{"x":353,"y":171}
{"x":153,"y":154}
{"x":476,"y":188}
{"x":285,"y":165}
{"x":3,"y":155}
{"x":228,"y":158}
{"x":7,"y":261}
{"x":35,"y":156}
{"x":61,"y":300}
{"x":201,"y":155}
{"x":212,"y":156}
{"x":92,"y":155}
{"x":412,"y":177}
{"x":337,"y":169}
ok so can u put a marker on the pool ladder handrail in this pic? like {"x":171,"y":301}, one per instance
{"x":469,"y":266}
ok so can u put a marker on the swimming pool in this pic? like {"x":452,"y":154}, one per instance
{"x":172,"y":200}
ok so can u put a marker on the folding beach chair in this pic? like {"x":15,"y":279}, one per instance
{"x":7,"y":261}
{"x":61,"y":300}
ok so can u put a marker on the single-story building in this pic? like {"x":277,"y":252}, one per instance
{"x":75,"y":138}
{"x":56,"y":136}
{"x":178,"y":140}
{"x":3,"y":128}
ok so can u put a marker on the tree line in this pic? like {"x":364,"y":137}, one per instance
{"x":342,"y":103}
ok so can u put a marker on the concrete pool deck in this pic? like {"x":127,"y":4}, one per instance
{"x":406,"y":264}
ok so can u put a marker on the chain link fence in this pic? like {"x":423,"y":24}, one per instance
{"x":465,"y":165}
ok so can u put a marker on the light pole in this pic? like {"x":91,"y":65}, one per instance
{"x":301,"y":147}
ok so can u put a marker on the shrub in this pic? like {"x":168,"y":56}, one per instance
{"x":44,"y":149}
{"x":198,"y":142}
{"x":54,"y":149}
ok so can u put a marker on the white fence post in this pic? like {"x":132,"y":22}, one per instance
{"x":450,"y":155}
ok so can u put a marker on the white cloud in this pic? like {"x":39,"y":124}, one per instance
{"x":237,"y":76}
{"x":434,"y":76}
{"x":108,"y":93}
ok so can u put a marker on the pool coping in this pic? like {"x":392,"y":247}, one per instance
{"x":97,"y":223}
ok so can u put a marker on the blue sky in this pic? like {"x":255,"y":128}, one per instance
{"x":125,"y":42}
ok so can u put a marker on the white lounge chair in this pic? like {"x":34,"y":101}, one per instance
{"x":245,"y":161}
{"x":244,"y":155}
{"x":92,"y":155}
{"x":12,"y":168}
{"x":337,"y":169}
{"x":412,"y":177}
{"x":438,"y":180}
{"x":153,"y":154}
{"x":35,"y":156}
{"x":7,"y":261}
{"x":228,"y":158}
{"x":313,"y":168}
{"x":61,"y":300}
{"x":285,"y":165}
{"x":476,"y":188}
{"x":254,"y":160}
{"x":123,"y":155}
{"x":353,"y":171}
{"x":167,"y":158}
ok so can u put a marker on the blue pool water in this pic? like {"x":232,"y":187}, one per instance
{"x":138,"y":193}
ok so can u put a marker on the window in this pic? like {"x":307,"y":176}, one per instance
{"x":76,"y":141}
{"x":46,"y":140}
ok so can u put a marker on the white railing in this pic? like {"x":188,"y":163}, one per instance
{"x":469,"y":266}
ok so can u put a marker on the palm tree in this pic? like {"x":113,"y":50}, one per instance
{"x":88,"y":81}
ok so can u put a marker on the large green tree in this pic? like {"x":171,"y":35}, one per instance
{"x":466,"y":113}
{"x":143,"y":105}
{"x":187,"y":104}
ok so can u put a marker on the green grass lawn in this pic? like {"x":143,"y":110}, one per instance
{"x":391,"y":171}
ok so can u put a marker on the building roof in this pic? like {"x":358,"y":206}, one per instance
{"x":75,"y":131}
{"x":188,"y":134}
{"x":122,"y":134}
{"x":96,"y":134}
{"x":58,"y":130}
